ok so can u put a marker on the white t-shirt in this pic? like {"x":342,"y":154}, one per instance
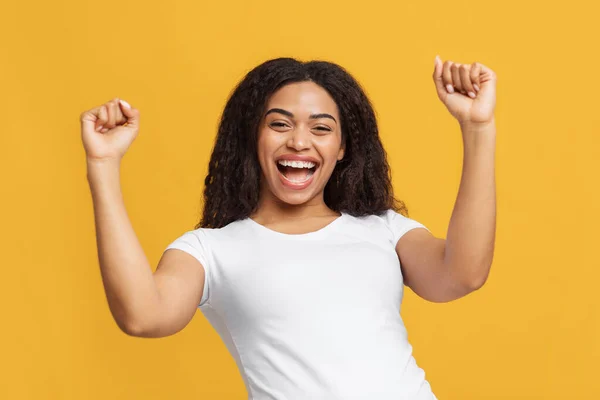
{"x":313,"y":316}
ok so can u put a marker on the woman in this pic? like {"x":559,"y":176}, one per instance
{"x":302,"y":252}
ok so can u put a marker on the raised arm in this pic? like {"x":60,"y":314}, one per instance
{"x":442,"y":270}
{"x":445,"y":269}
{"x":142,"y":303}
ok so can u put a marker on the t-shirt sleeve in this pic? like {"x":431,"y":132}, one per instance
{"x":193,"y":243}
{"x":399,"y":224}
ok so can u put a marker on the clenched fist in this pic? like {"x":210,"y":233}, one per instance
{"x":107,"y":131}
{"x":467,"y":90}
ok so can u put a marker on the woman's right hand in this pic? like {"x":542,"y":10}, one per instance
{"x":108,"y":130}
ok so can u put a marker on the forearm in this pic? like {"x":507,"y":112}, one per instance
{"x":126,"y":274}
{"x":471,"y":232}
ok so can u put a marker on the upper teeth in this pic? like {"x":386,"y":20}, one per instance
{"x":297,"y":164}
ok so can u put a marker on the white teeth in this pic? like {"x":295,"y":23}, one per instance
{"x":298,"y":180}
{"x":297,"y":164}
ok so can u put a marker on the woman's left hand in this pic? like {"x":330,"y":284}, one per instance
{"x":467,"y":90}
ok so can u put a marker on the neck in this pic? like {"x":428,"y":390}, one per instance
{"x":271,"y":208}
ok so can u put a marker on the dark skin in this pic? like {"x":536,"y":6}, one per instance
{"x":301,"y":119}
{"x":436,"y":269}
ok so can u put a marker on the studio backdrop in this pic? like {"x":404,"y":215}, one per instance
{"x":531,"y":332}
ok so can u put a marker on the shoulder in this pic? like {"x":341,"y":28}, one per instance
{"x":394,"y":224}
{"x":388,"y":218}
{"x":200,"y":237}
{"x":233,"y":230}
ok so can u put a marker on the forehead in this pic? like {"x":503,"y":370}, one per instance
{"x":303,"y":97}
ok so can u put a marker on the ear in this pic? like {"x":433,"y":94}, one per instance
{"x":341,"y":153}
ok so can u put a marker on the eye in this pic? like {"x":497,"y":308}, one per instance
{"x":278,"y":124}
{"x":321,"y":130}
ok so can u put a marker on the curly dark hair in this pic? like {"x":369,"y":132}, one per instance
{"x":360,"y":183}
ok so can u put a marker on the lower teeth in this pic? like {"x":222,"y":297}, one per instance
{"x":299,"y":181}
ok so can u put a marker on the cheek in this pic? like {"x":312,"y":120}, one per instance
{"x":329,"y":149}
{"x":267,"y":142}
{"x":266,"y":147}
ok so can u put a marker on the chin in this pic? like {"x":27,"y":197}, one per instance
{"x":294,"y":199}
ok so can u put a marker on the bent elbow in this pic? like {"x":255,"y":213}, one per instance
{"x":477,"y":280}
{"x":477,"y":283}
{"x":130,"y":329}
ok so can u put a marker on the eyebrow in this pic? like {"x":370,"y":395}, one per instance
{"x":289,"y":114}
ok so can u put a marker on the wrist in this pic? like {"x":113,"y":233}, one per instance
{"x":484,"y":126}
{"x":478,"y":135}
{"x":102,"y":162}
{"x":96,"y":166}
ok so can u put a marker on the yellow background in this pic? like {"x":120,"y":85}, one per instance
{"x":532,"y":332}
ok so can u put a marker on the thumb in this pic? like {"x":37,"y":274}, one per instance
{"x":437,"y":77}
{"x":88,"y":118}
{"x":487,"y":79}
{"x":132,"y":114}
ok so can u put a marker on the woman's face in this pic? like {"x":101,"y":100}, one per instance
{"x":299,"y":143}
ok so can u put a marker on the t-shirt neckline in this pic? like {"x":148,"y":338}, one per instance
{"x":312,"y":234}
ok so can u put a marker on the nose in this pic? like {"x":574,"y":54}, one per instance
{"x":300,"y":138}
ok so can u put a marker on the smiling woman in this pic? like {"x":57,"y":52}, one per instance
{"x":302,"y":136}
{"x":288,"y":109}
{"x":301,"y":256}
{"x":301,"y":266}
{"x":297,"y":170}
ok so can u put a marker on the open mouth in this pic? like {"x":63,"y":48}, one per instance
{"x":296,"y":172}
